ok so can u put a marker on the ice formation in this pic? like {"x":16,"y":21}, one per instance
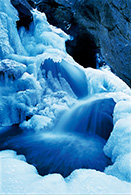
{"x":21,"y":178}
{"x":39,"y":82}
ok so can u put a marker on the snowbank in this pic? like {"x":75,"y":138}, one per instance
{"x":119,"y":142}
{"x":18,"y":177}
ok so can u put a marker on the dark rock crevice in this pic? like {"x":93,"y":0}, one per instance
{"x":103,"y":27}
{"x":96,"y":27}
{"x":24,"y":10}
{"x":82,"y":48}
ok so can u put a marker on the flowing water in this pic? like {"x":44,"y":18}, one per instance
{"x":93,"y":115}
{"x":77,"y":141}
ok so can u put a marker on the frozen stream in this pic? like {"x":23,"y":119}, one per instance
{"x":59,"y":116}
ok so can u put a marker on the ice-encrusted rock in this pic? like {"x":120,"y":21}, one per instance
{"x":103,"y":26}
{"x":11,"y":69}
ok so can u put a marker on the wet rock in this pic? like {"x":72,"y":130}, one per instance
{"x":103,"y":27}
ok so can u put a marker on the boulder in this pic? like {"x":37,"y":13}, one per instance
{"x":97,"y":27}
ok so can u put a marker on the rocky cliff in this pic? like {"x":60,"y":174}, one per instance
{"x":97,"y":26}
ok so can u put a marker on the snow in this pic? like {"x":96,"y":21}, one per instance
{"x":18,"y":177}
{"x":9,"y":38}
{"x":40,"y":81}
{"x":42,"y":36}
{"x":37,"y":123}
{"x":100,"y":81}
{"x":118,"y":145}
{"x":122,"y":110}
{"x":10,"y":68}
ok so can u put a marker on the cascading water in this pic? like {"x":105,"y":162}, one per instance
{"x":58,"y":152}
{"x":77,"y":141}
{"x":55,"y":112}
{"x":93,"y":116}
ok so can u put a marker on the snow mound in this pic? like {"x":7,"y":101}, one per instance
{"x":101,"y":81}
{"x":19,"y":177}
{"x":118,"y":145}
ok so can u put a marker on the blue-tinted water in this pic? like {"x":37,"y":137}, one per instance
{"x":76,"y":142}
{"x":93,"y":116}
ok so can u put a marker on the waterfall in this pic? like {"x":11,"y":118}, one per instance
{"x":93,"y":116}
{"x":43,"y":84}
{"x":77,"y":141}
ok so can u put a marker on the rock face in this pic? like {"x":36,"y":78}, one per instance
{"x":97,"y":26}
{"x":64,"y":14}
